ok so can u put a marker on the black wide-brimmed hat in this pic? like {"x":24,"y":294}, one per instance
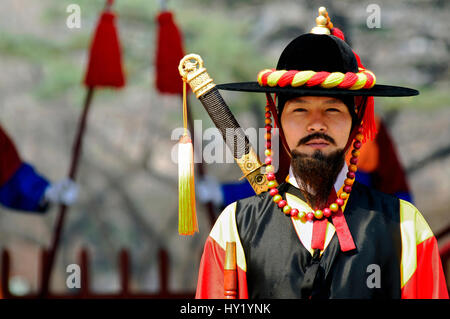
{"x":319,"y":65}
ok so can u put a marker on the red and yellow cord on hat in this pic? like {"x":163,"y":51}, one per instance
{"x":364,"y":79}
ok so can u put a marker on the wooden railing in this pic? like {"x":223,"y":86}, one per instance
{"x":85,"y":288}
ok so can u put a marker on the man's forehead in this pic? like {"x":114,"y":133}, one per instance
{"x":315,"y":99}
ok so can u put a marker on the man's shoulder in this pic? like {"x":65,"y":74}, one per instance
{"x":242,"y":204}
{"x":378,"y":196}
{"x":250,"y":209}
{"x":373,"y":194}
{"x":370,"y":199}
{"x":255,"y":199}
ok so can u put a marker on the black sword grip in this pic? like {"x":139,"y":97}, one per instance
{"x":224,"y":120}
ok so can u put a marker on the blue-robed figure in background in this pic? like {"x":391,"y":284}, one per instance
{"x":22,"y":188}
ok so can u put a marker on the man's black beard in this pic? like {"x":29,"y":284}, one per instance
{"x":316,"y":174}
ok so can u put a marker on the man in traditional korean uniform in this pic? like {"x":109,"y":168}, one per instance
{"x":318,"y":232}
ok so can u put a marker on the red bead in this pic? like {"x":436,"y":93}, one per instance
{"x":268,"y":127}
{"x":268,"y":114}
{"x":310,"y":216}
{"x":351,"y":175}
{"x":294,"y":212}
{"x":282,"y":203}
{"x":327,"y":212}
{"x":354,"y":160}
{"x":347,"y":189}
{"x":268,"y":160}
{"x":357,"y":144}
{"x":360,"y":129}
{"x":268,"y":144}
{"x":273,"y":191}
{"x":340,"y":202}
{"x":271,"y":177}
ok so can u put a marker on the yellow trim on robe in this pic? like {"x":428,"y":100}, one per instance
{"x":225,"y":230}
{"x":414,"y":230}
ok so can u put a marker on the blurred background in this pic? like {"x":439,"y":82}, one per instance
{"x":128,"y":182}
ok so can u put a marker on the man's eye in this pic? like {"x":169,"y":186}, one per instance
{"x":332,"y":109}
{"x":299,"y":109}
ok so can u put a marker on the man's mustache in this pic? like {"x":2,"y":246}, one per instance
{"x":317,"y":135}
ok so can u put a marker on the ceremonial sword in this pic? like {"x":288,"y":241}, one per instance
{"x":192,"y":71}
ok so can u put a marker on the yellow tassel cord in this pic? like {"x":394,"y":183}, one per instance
{"x":187,"y":217}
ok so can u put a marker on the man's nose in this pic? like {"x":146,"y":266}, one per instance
{"x":316,"y":124}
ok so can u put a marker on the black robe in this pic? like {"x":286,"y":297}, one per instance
{"x":396,"y":254}
{"x":277,"y":263}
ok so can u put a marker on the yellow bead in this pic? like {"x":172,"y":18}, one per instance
{"x":356,"y":153}
{"x":302,"y":215}
{"x":359,"y":137}
{"x":277,"y":198}
{"x":348,"y":181}
{"x":343,"y":195}
{"x":269,"y":169}
{"x":268,"y":121}
{"x":267,"y":136}
{"x":318,"y":214}
{"x":334,"y":207}
{"x":268,"y":152}
{"x":272,"y":184}
{"x":352,"y":168}
{"x":287,"y":209}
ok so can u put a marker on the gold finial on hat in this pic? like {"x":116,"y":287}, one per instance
{"x":323,"y":24}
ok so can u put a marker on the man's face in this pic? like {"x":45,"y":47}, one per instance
{"x":316,"y":123}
